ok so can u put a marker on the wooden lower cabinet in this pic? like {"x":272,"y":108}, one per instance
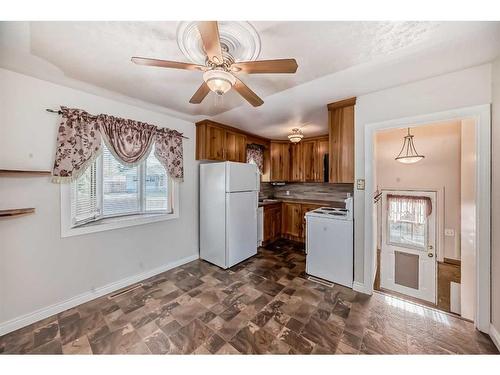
{"x":286,"y":220}
{"x":272,"y":223}
{"x":294,"y":221}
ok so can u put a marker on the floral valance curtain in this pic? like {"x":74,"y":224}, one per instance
{"x":410,"y":208}
{"x":255,"y":155}
{"x":128,"y":140}
{"x":79,"y":142}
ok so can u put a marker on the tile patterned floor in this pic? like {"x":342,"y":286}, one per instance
{"x":264,"y":305}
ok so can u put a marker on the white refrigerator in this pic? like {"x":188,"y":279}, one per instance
{"x":229,"y":195}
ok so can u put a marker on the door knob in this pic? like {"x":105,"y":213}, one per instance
{"x":430,"y":255}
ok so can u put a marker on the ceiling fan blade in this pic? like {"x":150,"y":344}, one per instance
{"x":266,"y":66}
{"x":209,"y":31}
{"x":248,"y":94}
{"x":166,"y":64}
{"x":200,"y":94}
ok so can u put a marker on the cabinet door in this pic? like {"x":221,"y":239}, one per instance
{"x":280,"y":161}
{"x":291,"y":224}
{"x":272,"y":223}
{"x":277,"y":223}
{"x":214,"y":143}
{"x":268,"y":224}
{"x":235,"y":146}
{"x":323,"y":146}
{"x":342,"y":145}
{"x":296,"y":162}
{"x":306,"y":207}
{"x":309,"y":149}
{"x":241,"y":148}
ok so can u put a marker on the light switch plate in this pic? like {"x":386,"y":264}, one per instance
{"x":360,"y":184}
{"x":449,"y":232}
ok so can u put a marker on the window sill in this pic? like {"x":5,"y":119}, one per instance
{"x":116,"y":223}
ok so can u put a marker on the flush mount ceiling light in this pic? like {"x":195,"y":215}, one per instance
{"x":408,"y":153}
{"x":296,"y":135}
{"x":219,"y":81}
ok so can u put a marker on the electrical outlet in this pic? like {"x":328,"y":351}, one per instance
{"x":360,"y":184}
{"x":449,"y":232}
{"x":287,"y":192}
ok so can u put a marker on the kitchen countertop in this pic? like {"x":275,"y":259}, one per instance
{"x":334,"y":203}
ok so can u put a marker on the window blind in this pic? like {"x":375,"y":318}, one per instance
{"x":84,"y":196}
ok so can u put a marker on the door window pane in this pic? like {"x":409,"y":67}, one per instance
{"x":407,"y":221}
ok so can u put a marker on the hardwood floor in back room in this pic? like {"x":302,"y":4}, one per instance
{"x":263,"y":305}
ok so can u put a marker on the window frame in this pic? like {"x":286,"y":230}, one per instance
{"x":69,"y":227}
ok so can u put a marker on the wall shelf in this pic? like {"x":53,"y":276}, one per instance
{"x":16,"y":212}
{"x":21,"y":173}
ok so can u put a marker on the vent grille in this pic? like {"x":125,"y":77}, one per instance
{"x":125,"y":291}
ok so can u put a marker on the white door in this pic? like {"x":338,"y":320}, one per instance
{"x":241,"y":177}
{"x":408,"y":254}
{"x":241,"y":226}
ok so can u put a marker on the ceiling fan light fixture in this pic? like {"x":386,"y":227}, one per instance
{"x":296,"y":135}
{"x":219,"y":81}
{"x":408,"y":153}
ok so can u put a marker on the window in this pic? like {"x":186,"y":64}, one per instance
{"x":110,"y":189}
{"x":407,"y":221}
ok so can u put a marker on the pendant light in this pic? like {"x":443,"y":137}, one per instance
{"x":296,"y":135}
{"x":408,"y":153}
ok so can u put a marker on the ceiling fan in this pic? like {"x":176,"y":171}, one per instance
{"x":218,"y":72}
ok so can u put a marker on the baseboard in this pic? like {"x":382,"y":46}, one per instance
{"x":495,"y":336}
{"x":45,"y":312}
{"x":361,"y":288}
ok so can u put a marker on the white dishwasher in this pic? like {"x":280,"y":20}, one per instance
{"x":329,"y":244}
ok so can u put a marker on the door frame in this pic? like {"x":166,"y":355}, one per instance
{"x":482,"y":116}
{"x":384,"y":223}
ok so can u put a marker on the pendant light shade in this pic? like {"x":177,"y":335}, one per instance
{"x":408,"y":153}
{"x":296,"y":135}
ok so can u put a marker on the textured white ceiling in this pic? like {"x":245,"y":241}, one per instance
{"x":336,"y":60}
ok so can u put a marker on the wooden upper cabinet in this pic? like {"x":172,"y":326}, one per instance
{"x":296,"y":162}
{"x":280,"y":161}
{"x":309,"y":161}
{"x":235,"y":147}
{"x":216,"y":141}
{"x":323,"y":150}
{"x":341,"y":137}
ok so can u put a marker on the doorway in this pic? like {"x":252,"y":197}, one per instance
{"x":480,"y":117}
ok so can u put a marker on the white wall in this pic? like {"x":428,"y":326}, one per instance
{"x":495,"y":198}
{"x":468,"y":219}
{"x":439,"y":171}
{"x":455,"y":90}
{"x":37,"y":267}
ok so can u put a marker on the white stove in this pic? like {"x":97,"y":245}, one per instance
{"x":330,"y":212}
{"x":329,"y":244}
